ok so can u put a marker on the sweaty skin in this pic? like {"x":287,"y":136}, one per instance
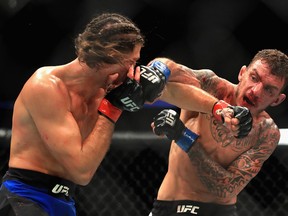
{"x":64,"y":136}
{"x":219,"y":166}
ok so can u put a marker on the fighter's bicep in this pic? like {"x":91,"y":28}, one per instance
{"x":49,"y":110}
{"x":57,"y":131}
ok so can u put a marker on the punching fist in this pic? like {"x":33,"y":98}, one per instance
{"x":128,"y":96}
{"x":221,"y":109}
{"x":167,"y":123}
{"x":153,"y":79}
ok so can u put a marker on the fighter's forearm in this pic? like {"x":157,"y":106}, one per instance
{"x":184,"y":88}
{"x":188,"y":97}
{"x":217,"y":179}
{"x":93,"y":149}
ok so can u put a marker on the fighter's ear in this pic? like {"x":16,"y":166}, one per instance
{"x":279,"y":100}
{"x":241,"y":72}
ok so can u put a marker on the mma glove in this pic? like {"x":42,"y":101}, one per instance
{"x":167,"y":123}
{"x":243,"y":114}
{"x":153,"y":79}
{"x":126,"y":97}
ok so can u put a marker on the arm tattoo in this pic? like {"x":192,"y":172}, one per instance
{"x":226,"y":182}
{"x":212,"y":175}
{"x":205,"y":78}
{"x":211,"y":83}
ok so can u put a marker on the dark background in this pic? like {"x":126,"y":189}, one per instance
{"x":221,"y":35}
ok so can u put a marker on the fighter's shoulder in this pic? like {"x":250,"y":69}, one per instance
{"x":212,"y":83}
{"x":44,"y":83}
{"x":45,"y":77}
{"x":266,"y":127}
{"x":205,"y":71}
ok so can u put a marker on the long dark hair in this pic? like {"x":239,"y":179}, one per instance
{"x":106,"y":39}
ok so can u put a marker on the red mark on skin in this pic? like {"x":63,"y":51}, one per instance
{"x":45,"y":137}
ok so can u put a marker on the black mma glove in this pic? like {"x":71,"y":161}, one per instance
{"x":167,"y":122}
{"x":241,"y":113}
{"x":153,"y":79}
{"x":128,"y":96}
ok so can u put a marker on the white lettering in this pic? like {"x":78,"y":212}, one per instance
{"x":150,"y":76}
{"x":129,"y":104}
{"x":170,"y":120}
{"x":187,"y":208}
{"x":61,"y":189}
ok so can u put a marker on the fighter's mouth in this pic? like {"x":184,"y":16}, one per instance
{"x":248,"y":101}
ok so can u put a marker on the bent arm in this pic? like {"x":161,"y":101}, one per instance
{"x":78,"y":155}
{"x":229,"y":182}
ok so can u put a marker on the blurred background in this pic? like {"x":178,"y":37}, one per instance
{"x":221,"y":35}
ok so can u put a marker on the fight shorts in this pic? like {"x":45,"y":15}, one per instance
{"x":26,"y":192}
{"x":190,"y":208}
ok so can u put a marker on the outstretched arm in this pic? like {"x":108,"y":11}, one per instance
{"x":191,"y":90}
{"x":188,"y":97}
{"x":185,"y":88}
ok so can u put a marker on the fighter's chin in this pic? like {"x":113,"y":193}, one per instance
{"x":251,"y":107}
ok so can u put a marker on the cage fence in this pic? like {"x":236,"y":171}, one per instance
{"x":128,"y":178}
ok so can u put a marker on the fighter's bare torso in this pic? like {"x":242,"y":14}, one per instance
{"x":218,"y":144}
{"x":28,"y":150}
{"x":56,"y":127}
{"x":221,"y":165}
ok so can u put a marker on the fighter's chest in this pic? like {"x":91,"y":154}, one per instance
{"x":217,"y":140}
{"x":85,"y":114}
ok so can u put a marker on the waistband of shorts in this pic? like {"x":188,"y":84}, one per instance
{"x":176,"y":202}
{"x":55,"y":186}
{"x":188,"y":205}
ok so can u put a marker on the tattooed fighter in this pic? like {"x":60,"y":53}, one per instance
{"x":222,"y":144}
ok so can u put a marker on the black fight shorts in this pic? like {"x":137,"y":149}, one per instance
{"x":190,"y":208}
{"x":25,"y":192}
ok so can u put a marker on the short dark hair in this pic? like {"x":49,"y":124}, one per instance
{"x":277,"y":61}
{"x":106,"y":39}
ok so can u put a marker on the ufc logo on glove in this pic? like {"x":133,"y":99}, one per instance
{"x":170,"y":119}
{"x":129,"y":103}
{"x":149,"y":75}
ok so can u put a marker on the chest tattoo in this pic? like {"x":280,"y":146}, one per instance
{"x":223,"y":136}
